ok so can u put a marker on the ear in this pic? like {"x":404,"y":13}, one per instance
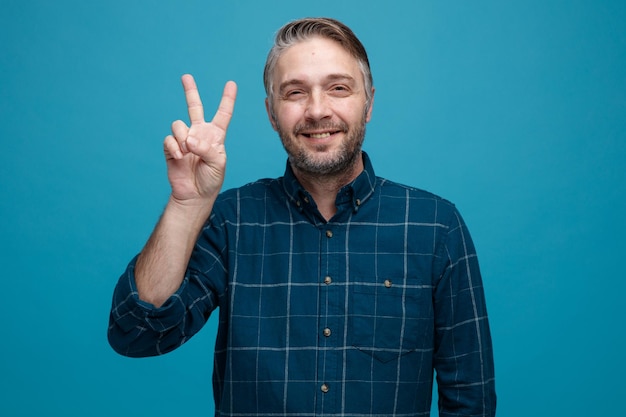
{"x":368,"y":114}
{"x":270,"y":116}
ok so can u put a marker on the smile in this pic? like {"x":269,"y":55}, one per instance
{"x":319,"y":135}
{"x":320,"y":131}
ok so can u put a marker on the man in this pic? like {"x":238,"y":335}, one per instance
{"x":339,"y":292}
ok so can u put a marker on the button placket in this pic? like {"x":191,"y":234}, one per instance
{"x":331,"y":296}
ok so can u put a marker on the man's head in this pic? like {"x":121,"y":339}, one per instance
{"x":319,"y":94}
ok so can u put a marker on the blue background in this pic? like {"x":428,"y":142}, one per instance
{"x":515,"y":111}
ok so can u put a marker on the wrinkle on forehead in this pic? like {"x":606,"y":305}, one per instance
{"x":318,"y":60}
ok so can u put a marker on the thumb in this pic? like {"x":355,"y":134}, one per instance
{"x":209,"y":152}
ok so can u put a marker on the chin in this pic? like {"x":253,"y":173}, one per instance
{"x":329,"y":163}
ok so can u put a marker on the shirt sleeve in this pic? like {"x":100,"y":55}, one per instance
{"x":138,"y":329}
{"x":463,"y":357}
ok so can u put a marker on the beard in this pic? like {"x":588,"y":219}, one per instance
{"x":318,"y":161}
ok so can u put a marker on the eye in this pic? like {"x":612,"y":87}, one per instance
{"x":340,"y":90}
{"x":293,"y":94}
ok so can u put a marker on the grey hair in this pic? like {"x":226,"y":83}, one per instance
{"x":304,"y":29}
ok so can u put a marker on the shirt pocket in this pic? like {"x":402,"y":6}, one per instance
{"x":388,"y":320}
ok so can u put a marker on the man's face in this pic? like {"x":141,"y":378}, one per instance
{"x":319,"y":108}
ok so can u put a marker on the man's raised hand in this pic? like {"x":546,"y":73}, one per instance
{"x":195,"y":154}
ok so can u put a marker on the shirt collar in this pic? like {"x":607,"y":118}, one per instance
{"x":354,"y":194}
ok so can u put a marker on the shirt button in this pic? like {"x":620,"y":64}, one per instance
{"x":327,"y":332}
{"x":328,"y":280}
{"x":324,"y":388}
{"x":388,"y":283}
{"x":329,"y":233}
{"x":358,"y":202}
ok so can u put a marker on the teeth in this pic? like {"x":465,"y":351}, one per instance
{"x":320,"y":135}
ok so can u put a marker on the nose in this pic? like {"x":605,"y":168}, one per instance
{"x":317,"y":107}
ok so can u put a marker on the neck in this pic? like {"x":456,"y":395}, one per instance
{"x":324,"y":188}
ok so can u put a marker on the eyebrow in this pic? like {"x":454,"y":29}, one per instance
{"x":329,"y":78}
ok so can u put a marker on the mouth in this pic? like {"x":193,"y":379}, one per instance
{"x":320,"y":131}
{"x":319,"y":135}
{"x":323,"y":135}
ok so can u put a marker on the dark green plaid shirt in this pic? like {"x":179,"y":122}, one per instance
{"x":342,"y":318}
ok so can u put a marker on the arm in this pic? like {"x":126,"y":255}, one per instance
{"x":463,"y":353}
{"x":159,"y":302}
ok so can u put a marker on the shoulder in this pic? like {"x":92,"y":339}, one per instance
{"x":415,"y":198}
{"x":257,"y":188}
{"x":250,"y":197}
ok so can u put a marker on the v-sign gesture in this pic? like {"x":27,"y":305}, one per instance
{"x":195,"y":154}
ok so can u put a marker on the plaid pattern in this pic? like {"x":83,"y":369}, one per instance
{"x":340,"y":318}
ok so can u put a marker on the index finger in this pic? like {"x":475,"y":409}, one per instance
{"x":194,"y":104}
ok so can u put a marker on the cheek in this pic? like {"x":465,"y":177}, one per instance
{"x":288,"y":116}
{"x":350,"y":111}
{"x":352,"y":117}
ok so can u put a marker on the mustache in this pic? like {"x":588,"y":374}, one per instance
{"x":317,"y":126}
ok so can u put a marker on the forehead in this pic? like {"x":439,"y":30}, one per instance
{"x":315,"y":59}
